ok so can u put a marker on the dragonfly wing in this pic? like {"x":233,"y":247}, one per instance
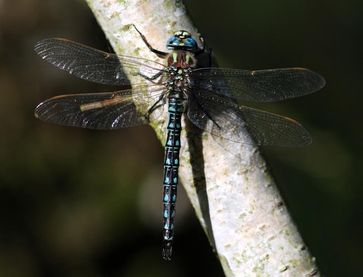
{"x":109,"y":110}
{"x":91,"y":64}
{"x":224,"y":118}
{"x":258,"y":85}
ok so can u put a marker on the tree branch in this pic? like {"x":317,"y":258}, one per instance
{"x":235,"y":198}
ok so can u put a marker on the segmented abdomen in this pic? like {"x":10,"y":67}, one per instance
{"x":171,"y":165}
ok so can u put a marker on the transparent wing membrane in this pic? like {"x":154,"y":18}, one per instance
{"x":109,"y":110}
{"x":93,"y":65}
{"x":210,"y":107}
{"x":224,"y":118}
{"x":258,"y":85}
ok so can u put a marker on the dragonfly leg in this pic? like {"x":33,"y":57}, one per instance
{"x":206,"y":113}
{"x":156,"y":105}
{"x":159,"y":53}
{"x":152,"y":78}
{"x":209,"y":57}
{"x":203,"y":50}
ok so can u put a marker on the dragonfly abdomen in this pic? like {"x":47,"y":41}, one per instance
{"x":171,"y":165}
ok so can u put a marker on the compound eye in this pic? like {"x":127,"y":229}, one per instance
{"x":186,"y":34}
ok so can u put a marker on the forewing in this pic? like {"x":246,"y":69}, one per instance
{"x":226,"y":119}
{"x":259,"y":85}
{"x":109,"y":110}
{"x":91,"y":64}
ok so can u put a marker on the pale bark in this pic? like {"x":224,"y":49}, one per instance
{"x":234,"y":197}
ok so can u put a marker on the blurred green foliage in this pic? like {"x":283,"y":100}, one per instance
{"x":84,"y":203}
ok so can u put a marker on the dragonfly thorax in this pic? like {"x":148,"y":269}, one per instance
{"x":180,"y":64}
{"x":181,"y":59}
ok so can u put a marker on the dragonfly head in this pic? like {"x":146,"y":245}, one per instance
{"x":182,"y":40}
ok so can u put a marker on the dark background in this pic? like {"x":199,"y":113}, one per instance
{"x":85,"y":203}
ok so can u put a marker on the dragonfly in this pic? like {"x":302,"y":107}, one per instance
{"x":206,"y":96}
